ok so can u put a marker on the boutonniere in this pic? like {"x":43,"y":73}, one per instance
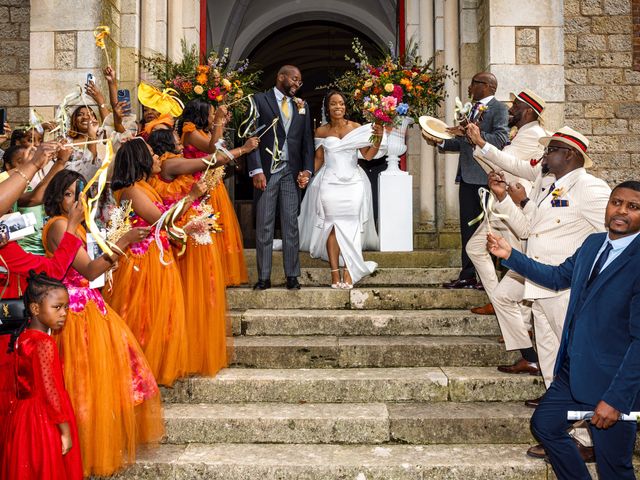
{"x":557,"y":193}
{"x":300,"y":105}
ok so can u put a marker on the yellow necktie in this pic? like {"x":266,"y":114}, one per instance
{"x":285,"y":107}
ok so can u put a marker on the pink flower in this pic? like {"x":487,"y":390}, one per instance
{"x":380,"y":115}
{"x":397,"y":92}
{"x":389,"y":102}
{"x":213,"y":93}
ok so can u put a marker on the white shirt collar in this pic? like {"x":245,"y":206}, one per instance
{"x":279,"y":95}
{"x":486,"y":100}
{"x":622,"y":243}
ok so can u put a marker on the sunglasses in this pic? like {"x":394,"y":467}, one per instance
{"x":554,"y":149}
{"x":478,"y":81}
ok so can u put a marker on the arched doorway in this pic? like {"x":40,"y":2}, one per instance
{"x":315,"y":36}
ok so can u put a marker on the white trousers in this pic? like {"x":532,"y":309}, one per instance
{"x":513,"y":315}
{"x":477,"y":251}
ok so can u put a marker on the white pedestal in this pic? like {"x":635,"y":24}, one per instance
{"x":395,"y":212}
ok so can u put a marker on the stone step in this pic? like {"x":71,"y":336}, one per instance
{"x":363,"y":322}
{"x":382,"y":298}
{"x":397,"y":351}
{"x":331,"y":462}
{"x":353,"y":385}
{"x":320,"y":276}
{"x":277,"y":423}
{"x":348,"y":423}
{"x":417,"y":258}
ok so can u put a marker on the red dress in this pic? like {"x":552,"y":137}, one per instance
{"x":32,"y":448}
{"x":19,"y":263}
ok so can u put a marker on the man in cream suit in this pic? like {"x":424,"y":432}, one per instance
{"x":556,"y":218}
{"x":519,"y":161}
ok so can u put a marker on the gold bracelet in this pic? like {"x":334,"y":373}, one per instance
{"x":21,"y":173}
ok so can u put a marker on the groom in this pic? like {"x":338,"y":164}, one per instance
{"x":280,"y":168}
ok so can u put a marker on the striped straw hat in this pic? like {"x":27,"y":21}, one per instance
{"x":531,"y":99}
{"x":572,"y":138}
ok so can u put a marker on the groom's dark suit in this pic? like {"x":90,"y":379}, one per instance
{"x":599,"y":357}
{"x":295,"y":140}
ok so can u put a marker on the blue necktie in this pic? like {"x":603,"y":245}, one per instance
{"x":602,"y":259}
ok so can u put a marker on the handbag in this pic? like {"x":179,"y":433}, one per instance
{"x":12,"y":311}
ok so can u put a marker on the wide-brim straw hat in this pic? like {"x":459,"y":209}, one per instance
{"x":530,"y":98}
{"x":569,"y":136}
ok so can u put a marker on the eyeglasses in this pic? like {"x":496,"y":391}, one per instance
{"x":554,"y":149}
{"x":297,"y":82}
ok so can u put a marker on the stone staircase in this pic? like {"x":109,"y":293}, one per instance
{"x":392,"y":380}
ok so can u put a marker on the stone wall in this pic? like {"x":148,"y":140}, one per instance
{"x":602,"y":90}
{"x":14,"y":59}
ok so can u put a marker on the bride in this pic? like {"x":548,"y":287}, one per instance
{"x":336,"y":215}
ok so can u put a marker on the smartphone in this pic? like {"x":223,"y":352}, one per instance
{"x":3,"y":119}
{"x":90,"y":78}
{"x":124,"y":96}
{"x":79,"y":187}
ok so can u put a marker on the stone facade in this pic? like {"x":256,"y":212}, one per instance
{"x":602,"y":89}
{"x":14,"y":59}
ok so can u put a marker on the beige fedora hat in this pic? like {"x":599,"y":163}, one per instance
{"x":530,"y":98}
{"x":572,"y":138}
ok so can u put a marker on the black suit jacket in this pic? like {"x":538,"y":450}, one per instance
{"x":299,"y":138}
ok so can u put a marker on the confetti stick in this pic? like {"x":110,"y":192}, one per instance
{"x":275,"y":120}
{"x":238,"y":100}
{"x":101,"y":33}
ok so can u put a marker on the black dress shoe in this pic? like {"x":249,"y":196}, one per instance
{"x":461,"y":283}
{"x":262,"y":285}
{"x":533,"y":403}
{"x":292,"y":283}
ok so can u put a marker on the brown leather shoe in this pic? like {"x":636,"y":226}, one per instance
{"x":533,"y":403}
{"x":587,"y":453}
{"x":521,"y":366}
{"x":485,"y":310}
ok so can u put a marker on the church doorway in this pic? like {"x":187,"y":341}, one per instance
{"x":315,"y":41}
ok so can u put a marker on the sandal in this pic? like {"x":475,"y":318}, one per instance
{"x":345,"y":285}
{"x":339,"y":284}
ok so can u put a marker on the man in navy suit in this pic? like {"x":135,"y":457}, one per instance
{"x":598,"y":365}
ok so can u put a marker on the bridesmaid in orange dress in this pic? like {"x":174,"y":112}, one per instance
{"x":112,"y":389}
{"x":199,"y":130}
{"x":147,"y":289}
{"x":201,"y":264}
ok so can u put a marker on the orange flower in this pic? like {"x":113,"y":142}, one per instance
{"x":219,"y":98}
{"x":419,"y":88}
{"x":424,"y":77}
{"x":203,"y":69}
{"x":201,"y":78}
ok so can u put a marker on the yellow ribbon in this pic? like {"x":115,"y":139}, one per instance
{"x":165,"y":101}
{"x":486,"y":202}
{"x":91,"y":204}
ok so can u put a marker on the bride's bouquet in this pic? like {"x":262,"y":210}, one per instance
{"x":385,"y":90}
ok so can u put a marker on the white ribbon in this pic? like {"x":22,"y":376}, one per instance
{"x":486,"y":202}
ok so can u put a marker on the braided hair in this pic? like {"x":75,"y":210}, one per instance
{"x":39,"y":284}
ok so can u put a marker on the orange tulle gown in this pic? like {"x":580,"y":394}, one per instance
{"x":114,"y":395}
{"x":204,"y":286}
{"x":235,"y":267}
{"x":148,"y":296}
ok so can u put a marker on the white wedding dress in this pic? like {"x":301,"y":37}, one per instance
{"x":339,"y":196}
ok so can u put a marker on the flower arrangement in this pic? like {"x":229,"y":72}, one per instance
{"x":215,"y":80}
{"x":395,"y":86}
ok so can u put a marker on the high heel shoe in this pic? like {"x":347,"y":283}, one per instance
{"x":339,"y":284}
{"x":345,"y":285}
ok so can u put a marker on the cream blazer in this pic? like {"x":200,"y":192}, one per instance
{"x":554,"y":233}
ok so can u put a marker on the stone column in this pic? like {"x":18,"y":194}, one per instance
{"x":451,"y":59}
{"x":427,"y":209}
{"x":174,"y":29}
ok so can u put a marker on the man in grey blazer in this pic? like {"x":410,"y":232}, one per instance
{"x":492,"y":118}
{"x":280,"y":168}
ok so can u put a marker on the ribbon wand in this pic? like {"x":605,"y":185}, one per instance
{"x":101,"y":33}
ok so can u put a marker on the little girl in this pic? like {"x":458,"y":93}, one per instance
{"x":41,"y":437}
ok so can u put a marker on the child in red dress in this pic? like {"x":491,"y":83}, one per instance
{"x":41,"y":437}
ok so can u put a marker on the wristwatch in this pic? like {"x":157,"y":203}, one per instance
{"x":524,"y":202}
